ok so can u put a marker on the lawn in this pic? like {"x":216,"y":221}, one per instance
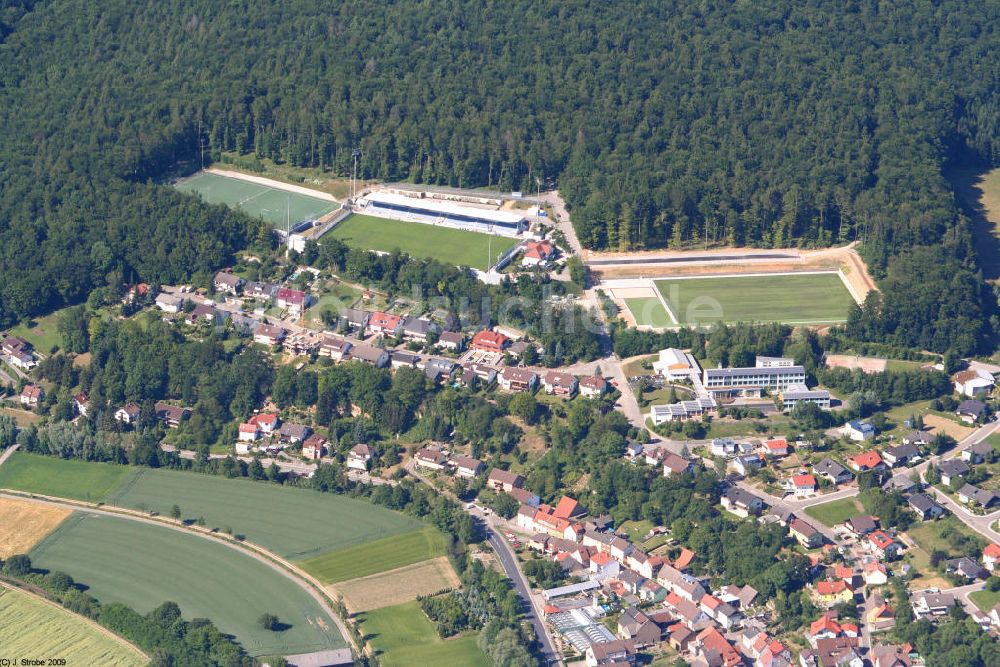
{"x":636,"y":530}
{"x":985,"y":599}
{"x":835,"y":512}
{"x":649,"y":311}
{"x":41,"y":332}
{"x":819,"y":298}
{"x":334,"y":298}
{"x":50,"y":476}
{"x":294,"y":523}
{"x":449,"y":245}
{"x":377,"y":556}
{"x":402,"y":635}
{"x":31,"y":627}
{"x":143,"y":565}
{"x":928,"y":535}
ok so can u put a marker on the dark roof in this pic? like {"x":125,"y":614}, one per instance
{"x":953,"y":467}
{"x":903,"y":451}
{"x":922,"y":502}
{"x":971,"y":406}
{"x":830,"y":467}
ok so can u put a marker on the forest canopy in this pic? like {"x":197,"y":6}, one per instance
{"x":663,"y":123}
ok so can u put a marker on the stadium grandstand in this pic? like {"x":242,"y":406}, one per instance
{"x":436,"y":212}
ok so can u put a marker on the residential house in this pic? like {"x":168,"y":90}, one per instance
{"x":925,"y":507}
{"x":398,"y":359}
{"x":303,"y":343}
{"x":862,"y":524}
{"x":314,"y":448}
{"x":171,"y":415}
{"x":831,"y":593}
{"x":537,"y":253}
{"x":834,"y":652}
{"x":128,"y":413}
{"x":722,"y":447}
{"x":918,"y":438}
{"x":802,"y":485}
{"x":714,"y":649}
{"x":267,"y":421}
{"x":418,"y":330}
{"x":974,"y":382}
{"x":295,"y":301}
{"x":866,"y":461}
{"x":721,"y":612}
{"x":776,"y":447}
{"x":202,"y":314}
{"x":170,"y":303}
{"x":892,"y":655}
{"x":991,"y":555}
{"x":618,"y":653}
{"x":294,"y":433}
{"x":489,"y":341}
{"x":485,"y":373}
{"x":503,"y":480}
{"x":966,"y":567}
{"x":524,"y":497}
{"x":674,"y":464}
{"x":858,"y":431}
{"x":559,"y":384}
{"x":451,"y":340}
{"x":973,"y":495}
{"x":385,"y":324}
{"x":517,"y":379}
{"x":438,"y":370}
{"x":971,"y":411}
{"x":354,"y":318}
{"x":467,"y":466}
{"x":81,"y":403}
{"x":741,"y":502}
{"x":881,"y":617}
{"x":260,"y":290}
{"x":593,"y":386}
{"x":431,"y":458}
{"x":636,"y":626}
{"x":369,"y":354}
{"x":746,"y":463}
{"x":926,"y":604}
{"x":334,"y":347}
{"x":32,"y":395}
{"x":905,"y":454}
{"x":249,"y":433}
{"x":227,"y":282}
{"x":875,"y":573}
{"x":952,"y":469}
{"x":360,"y":457}
{"x":900,"y":483}
{"x":18,"y":352}
{"x":978,"y":453}
{"x":805,"y":533}
{"x":267,"y":334}
{"x":689,"y":612}
{"x":882,"y":544}
{"x":833,"y":471}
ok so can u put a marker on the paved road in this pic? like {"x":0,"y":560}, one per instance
{"x":562,"y":220}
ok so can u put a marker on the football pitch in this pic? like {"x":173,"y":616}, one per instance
{"x":447,"y":244}
{"x":260,"y":201}
{"x":803,"y":298}
{"x":143,"y":566}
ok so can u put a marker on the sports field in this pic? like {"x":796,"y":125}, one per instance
{"x":403,"y":635}
{"x":294,"y":523}
{"x":377,"y":556}
{"x":805,"y":298}
{"x":30,"y":627}
{"x":649,"y":311}
{"x":50,"y":476}
{"x":258,"y":200}
{"x":453,"y":246}
{"x":143,"y":565}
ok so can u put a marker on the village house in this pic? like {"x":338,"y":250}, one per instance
{"x":721,"y":612}
{"x":294,"y":433}
{"x":260,"y":290}
{"x":369,"y":354}
{"x":300,"y":344}
{"x":971,"y":411}
{"x":593,"y":386}
{"x":858,"y":431}
{"x":467,"y":466}
{"x":170,"y":303}
{"x":713,"y":648}
{"x":399,"y":359}
{"x":359,"y":458}
{"x":385,"y":324}
{"x":926,"y":604}
{"x":836,"y":652}
{"x":334,"y":347}
{"x":559,"y":384}
{"x":831,"y":593}
{"x":81,"y":404}
{"x":741,"y":502}
{"x":268,"y":422}
{"x":418,"y":330}
{"x":128,"y":413}
{"x":171,"y":415}
{"x":952,"y":469}
{"x":249,"y":432}
{"x":875,"y":573}
{"x":267,"y":334}
{"x":487,"y":374}
{"x":537,"y":253}
{"x":517,"y":379}
{"x":862,"y":524}
{"x":925,"y":507}
{"x":32,"y":395}
{"x":451,"y":340}
{"x":618,"y":653}
{"x":973,"y":495}
{"x":295,"y":301}
{"x":801,"y":485}
{"x":747,"y":463}
{"x":776,"y":447}
{"x":991,"y":555}
{"x":636,"y":626}
{"x":882,"y":545}
{"x":314,"y":448}
{"x":833,"y":471}
{"x":966,"y":567}
{"x":354,"y":318}
{"x":227,"y":282}
{"x":918,"y":438}
{"x":805,"y":533}
{"x":677,"y":465}
{"x":905,"y":454}
{"x":431,"y":458}
{"x":978,"y":453}
{"x":18,"y":353}
{"x":438,"y":370}
{"x":866,"y":461}
{"x":489,"y":341}
{"x":502,"y":480}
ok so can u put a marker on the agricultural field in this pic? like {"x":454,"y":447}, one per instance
{"x":397,"y":586}
{"x":154,"y":564}
{"x":402,"y":635}
{"x":258,"y":200}
{"x":376,"y":556}
{"x":294,"y":523}
{"x":30,"y":626}
{"x":50,"y":476}
{"x":819,"y":298}
{"x":649,"y":312}
{"x":453,"y":246}
{"x":33,"y":521}
{"x":836,"y":511}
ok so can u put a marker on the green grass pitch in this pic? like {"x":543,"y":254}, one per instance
{"x":402,"y":636}
{"x":143,"y":566}
{"x":818,"y":298}
{"x":649,"y":311}
{"x":449,"y":245}
{"x":50,"y":476}
{"x":835,"y":512}
{"x":294,"y":523}
{"x":259,"y":201}
{"x":378,"y":556}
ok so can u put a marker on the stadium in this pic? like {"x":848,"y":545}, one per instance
{"x":437,"y":212}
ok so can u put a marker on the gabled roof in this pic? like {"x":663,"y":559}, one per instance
{"x":803,"y":481}
{"x":684,"y":559}
{"x":881,"y":539}
{"x":291,"y":295}
{"x":869,"y":459}
{"x":566,"y":508}
{"x":952,"y":467}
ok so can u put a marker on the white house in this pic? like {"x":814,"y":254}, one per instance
{"x":359,"y":458}
{"x":858,"y":431}
{"x":974,"y":382}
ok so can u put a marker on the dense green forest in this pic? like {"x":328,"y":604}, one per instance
{"x":663,"y":123}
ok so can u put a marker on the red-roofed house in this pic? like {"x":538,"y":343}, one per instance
{"x":777,"y":447}
{"x":32,"y":395}
{"x":249,"y":432}
{"x":882,"y":544}
{"x":81,"y":403}
{"x":268,"y":422}
{"x":489,"y":341}
{"x":684,"y":559}
{"x":292,"y":299}
{"x":866,"y":461}
{"x":314,"y":447}
{"x":537,"y":252}
{"x":593,"y":386}
{"x":833,"y":592}
{"x":711,"y":643}
{"x":991,"y":555}
{"x":875,"y":574}
{"x":801,"y":485}
{"x":567,"y":508}
{"x":825,"y":627}
{"x":384,"y":324}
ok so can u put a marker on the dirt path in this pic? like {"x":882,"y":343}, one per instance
{"x":271,"y":183}
{"x":93,"y":624}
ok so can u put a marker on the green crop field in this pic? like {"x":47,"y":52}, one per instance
{"x":58,"y":477}
{"x":402,"y":635}
{"x":294,"y":523}
{"x":378,"y":556}
{"x":143,"y":565}
{"x":649,"y":311}
{"x":816,"y":298}
{"x":32,"y":627}
{"x":449,"y":245}
{"x":836,"y":511}
{"x":260,"y":201}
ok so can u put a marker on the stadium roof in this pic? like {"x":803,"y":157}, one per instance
{"x":444,"y":207}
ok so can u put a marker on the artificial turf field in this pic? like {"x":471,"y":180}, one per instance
{"x":402,"y":635}
{"x":649,"y":311}
{"x":804,"y":298}
{"x":260,"y":201}
{"x":31,"y":627}
{"x":50,"y":476}
{"x":449,"y":245}
{"x":377,"y":556}
{"x":143,"y":565}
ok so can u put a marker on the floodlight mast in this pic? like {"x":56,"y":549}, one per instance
{"x":356,"y":153}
